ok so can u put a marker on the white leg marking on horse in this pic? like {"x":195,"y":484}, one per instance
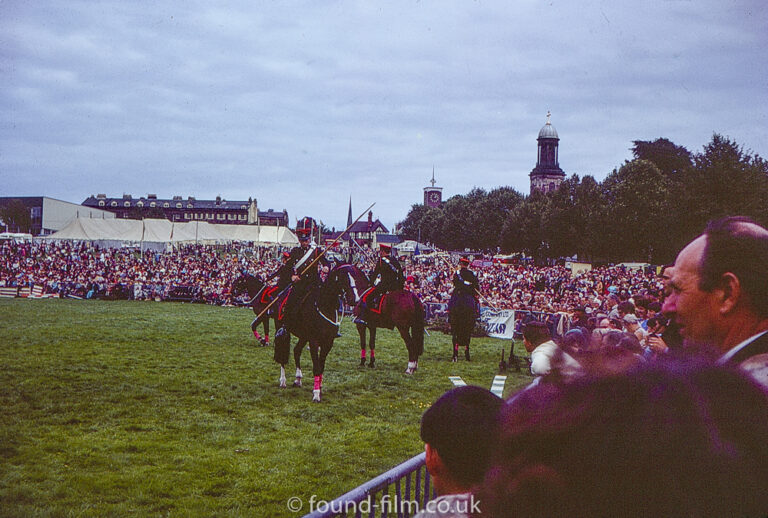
{"x":282,"y":377}
{"x":299,"y":375}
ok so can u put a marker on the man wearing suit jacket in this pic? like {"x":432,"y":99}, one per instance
{"x":719,"y":293}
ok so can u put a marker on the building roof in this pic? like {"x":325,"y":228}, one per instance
{"x":365,"y":226}
{"x":388,"y":238}
{"x":190,"y":203}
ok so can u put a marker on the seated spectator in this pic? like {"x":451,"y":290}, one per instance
{"x":664,"y":440}
{"x":547,"y":358}
{"x":458,"y":431}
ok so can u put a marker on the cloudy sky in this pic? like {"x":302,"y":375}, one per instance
{"x":304,"y":104}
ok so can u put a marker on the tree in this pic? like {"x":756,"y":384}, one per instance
{"x":726,"y":180}
{"x":668,"y":157}
{"x":638,"y":197}
{"x":524,"y":229}
{"x":16,"y":216}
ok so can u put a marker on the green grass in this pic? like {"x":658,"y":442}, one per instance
{"x":155,"y":409}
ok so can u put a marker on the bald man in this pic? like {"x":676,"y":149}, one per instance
{"x":719,"y":293}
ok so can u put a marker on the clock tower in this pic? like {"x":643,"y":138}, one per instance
{"x":433,"y":196}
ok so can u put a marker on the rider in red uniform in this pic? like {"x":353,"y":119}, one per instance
{"x":387,"y":276}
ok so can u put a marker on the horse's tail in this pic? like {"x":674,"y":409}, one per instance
{"x":417,"y":328}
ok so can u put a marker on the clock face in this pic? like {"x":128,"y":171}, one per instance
{"x":435,"y":197}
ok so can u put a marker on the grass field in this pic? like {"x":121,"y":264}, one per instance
{"x":155,"y":409}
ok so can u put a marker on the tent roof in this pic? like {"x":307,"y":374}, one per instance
{"x":165,"y":231}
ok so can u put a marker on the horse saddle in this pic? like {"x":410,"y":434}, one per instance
{"x":373,"y":301}
{"x":268,"y":294}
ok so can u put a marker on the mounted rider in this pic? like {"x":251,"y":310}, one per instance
{"x":465,"y":281}
{"x":466,"y":289}
{"x":297,"y":273}
{"x":387,"y":276}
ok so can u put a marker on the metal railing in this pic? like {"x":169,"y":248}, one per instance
{"x":402,"y":492}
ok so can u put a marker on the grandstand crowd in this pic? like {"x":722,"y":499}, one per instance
{"x":206,"y":273}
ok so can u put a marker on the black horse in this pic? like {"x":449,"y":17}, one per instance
{"x":462,"y":313}
{"x":316,"y":320}
{"x":399,"y":309}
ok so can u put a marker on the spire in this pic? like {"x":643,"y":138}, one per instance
{"x":349,"y":213}
{"x":549,"y":114}
{"x":433,"y":177}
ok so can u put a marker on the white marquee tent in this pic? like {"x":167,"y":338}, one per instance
{"x":116,"y":232}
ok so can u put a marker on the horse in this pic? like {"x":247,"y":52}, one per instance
{"x":399,"y":309}
{"x":316,"y":320}
{"x":260,"y":298}
{"x":462,"y":313}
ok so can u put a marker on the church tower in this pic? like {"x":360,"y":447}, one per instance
{"x":547,"y":175}
{"x":433,"y":196}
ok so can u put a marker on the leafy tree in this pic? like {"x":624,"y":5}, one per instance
{"x":637,"y":196}
{"x":726,"y":180}
{"x":16,"y":216}
{"x":524,"y":228}
{"x":668,"y":157}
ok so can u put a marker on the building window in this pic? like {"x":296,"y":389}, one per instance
{"x":189,"y":205}
{"x":139,"y":203}
{"x":186,"y":215}
{"x":178,"y":205}
{"x":101,"y":203}
{"x":166,"y":205}
{"x":220,"y":216}
{"x":126,"y":204}
{"x":152,"y":204}
{"x":113,"y":204}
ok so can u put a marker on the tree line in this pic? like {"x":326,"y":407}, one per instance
{"x":645,"y":210}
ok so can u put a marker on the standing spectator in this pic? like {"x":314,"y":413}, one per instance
{"x":719,"y":292}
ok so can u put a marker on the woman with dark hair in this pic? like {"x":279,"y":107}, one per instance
{"x":663,"y":440}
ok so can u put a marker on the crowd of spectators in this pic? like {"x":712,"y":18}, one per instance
{"x":196,"y":272}
{"x":205,"y":274}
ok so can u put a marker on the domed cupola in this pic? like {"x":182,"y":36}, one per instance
{"x":548,"y":131}
{"x":547,"y":175}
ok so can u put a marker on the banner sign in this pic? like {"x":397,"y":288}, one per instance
{"x":499,"y":324}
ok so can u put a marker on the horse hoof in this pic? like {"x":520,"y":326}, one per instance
{"x":283,"y":383}
{"x":371,"y":363}
{"x":362,"y":362}
{"x":297,"y":383}
{"x":466,"y":354}
{"x":315,"y":396}
{"x":454,"y":359}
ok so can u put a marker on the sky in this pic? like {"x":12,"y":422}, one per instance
{"x":304,"y":105}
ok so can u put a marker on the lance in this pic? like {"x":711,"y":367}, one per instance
{"x":314,"y":262}
{"x":366,"y":254}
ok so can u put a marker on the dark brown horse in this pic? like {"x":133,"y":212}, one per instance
{"x":399,"y":309}
{"x":316,"y":320}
